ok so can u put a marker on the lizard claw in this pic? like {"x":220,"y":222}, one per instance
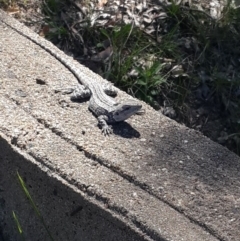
{"x":102,"y":122}
{"x":107,"y":130}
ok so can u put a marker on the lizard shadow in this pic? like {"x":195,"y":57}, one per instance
{"x":83,"y":100}
{"x":125,"y":130}
{"x":122,"y":129}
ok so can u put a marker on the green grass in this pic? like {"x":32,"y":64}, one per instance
{"x":20,"y":230}
{"x":146,"y":78}
{"x":34,"y":206}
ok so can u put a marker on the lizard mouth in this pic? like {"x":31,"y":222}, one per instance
{"x":126,"y":111}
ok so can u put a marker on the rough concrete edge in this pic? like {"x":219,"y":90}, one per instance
{"x":98,"y":203}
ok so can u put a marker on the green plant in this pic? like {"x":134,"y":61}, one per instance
{"x":52,"y":10}
{"x":37,"y":212}
{"x":149,"y":79}
{"x":18,"y":226}
{"x":130,"y":46}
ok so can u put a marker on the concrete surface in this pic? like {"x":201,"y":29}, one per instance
{"x":153,"y":179}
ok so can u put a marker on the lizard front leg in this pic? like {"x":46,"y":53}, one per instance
{"x":102,"y":122}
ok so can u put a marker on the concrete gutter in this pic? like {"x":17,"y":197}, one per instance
{"x":153,"y":179}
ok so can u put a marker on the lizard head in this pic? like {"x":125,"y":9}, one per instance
{"x":125,"y":109}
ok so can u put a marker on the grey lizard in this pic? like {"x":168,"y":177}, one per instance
{"x":104,"y":107}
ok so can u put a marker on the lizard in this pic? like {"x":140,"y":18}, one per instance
{"x":104,"y":107}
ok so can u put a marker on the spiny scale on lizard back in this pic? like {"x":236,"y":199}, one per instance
{"x":100,"y":103}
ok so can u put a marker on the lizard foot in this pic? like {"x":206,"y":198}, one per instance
{"x":102,"y":122}
{"x":107,"y":130}
{"x":110,"y":90}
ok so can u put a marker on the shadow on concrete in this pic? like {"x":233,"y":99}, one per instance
{"x":68,"y":214}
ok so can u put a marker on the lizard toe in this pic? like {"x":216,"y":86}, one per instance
{"x":107,"y":130}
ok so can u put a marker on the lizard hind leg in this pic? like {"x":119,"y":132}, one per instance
{"x":110,"y":90}
{"x":80,"y":93}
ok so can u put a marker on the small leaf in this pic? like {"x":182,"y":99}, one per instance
{"x":154,"y":92}
{"x":141,"y":82}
